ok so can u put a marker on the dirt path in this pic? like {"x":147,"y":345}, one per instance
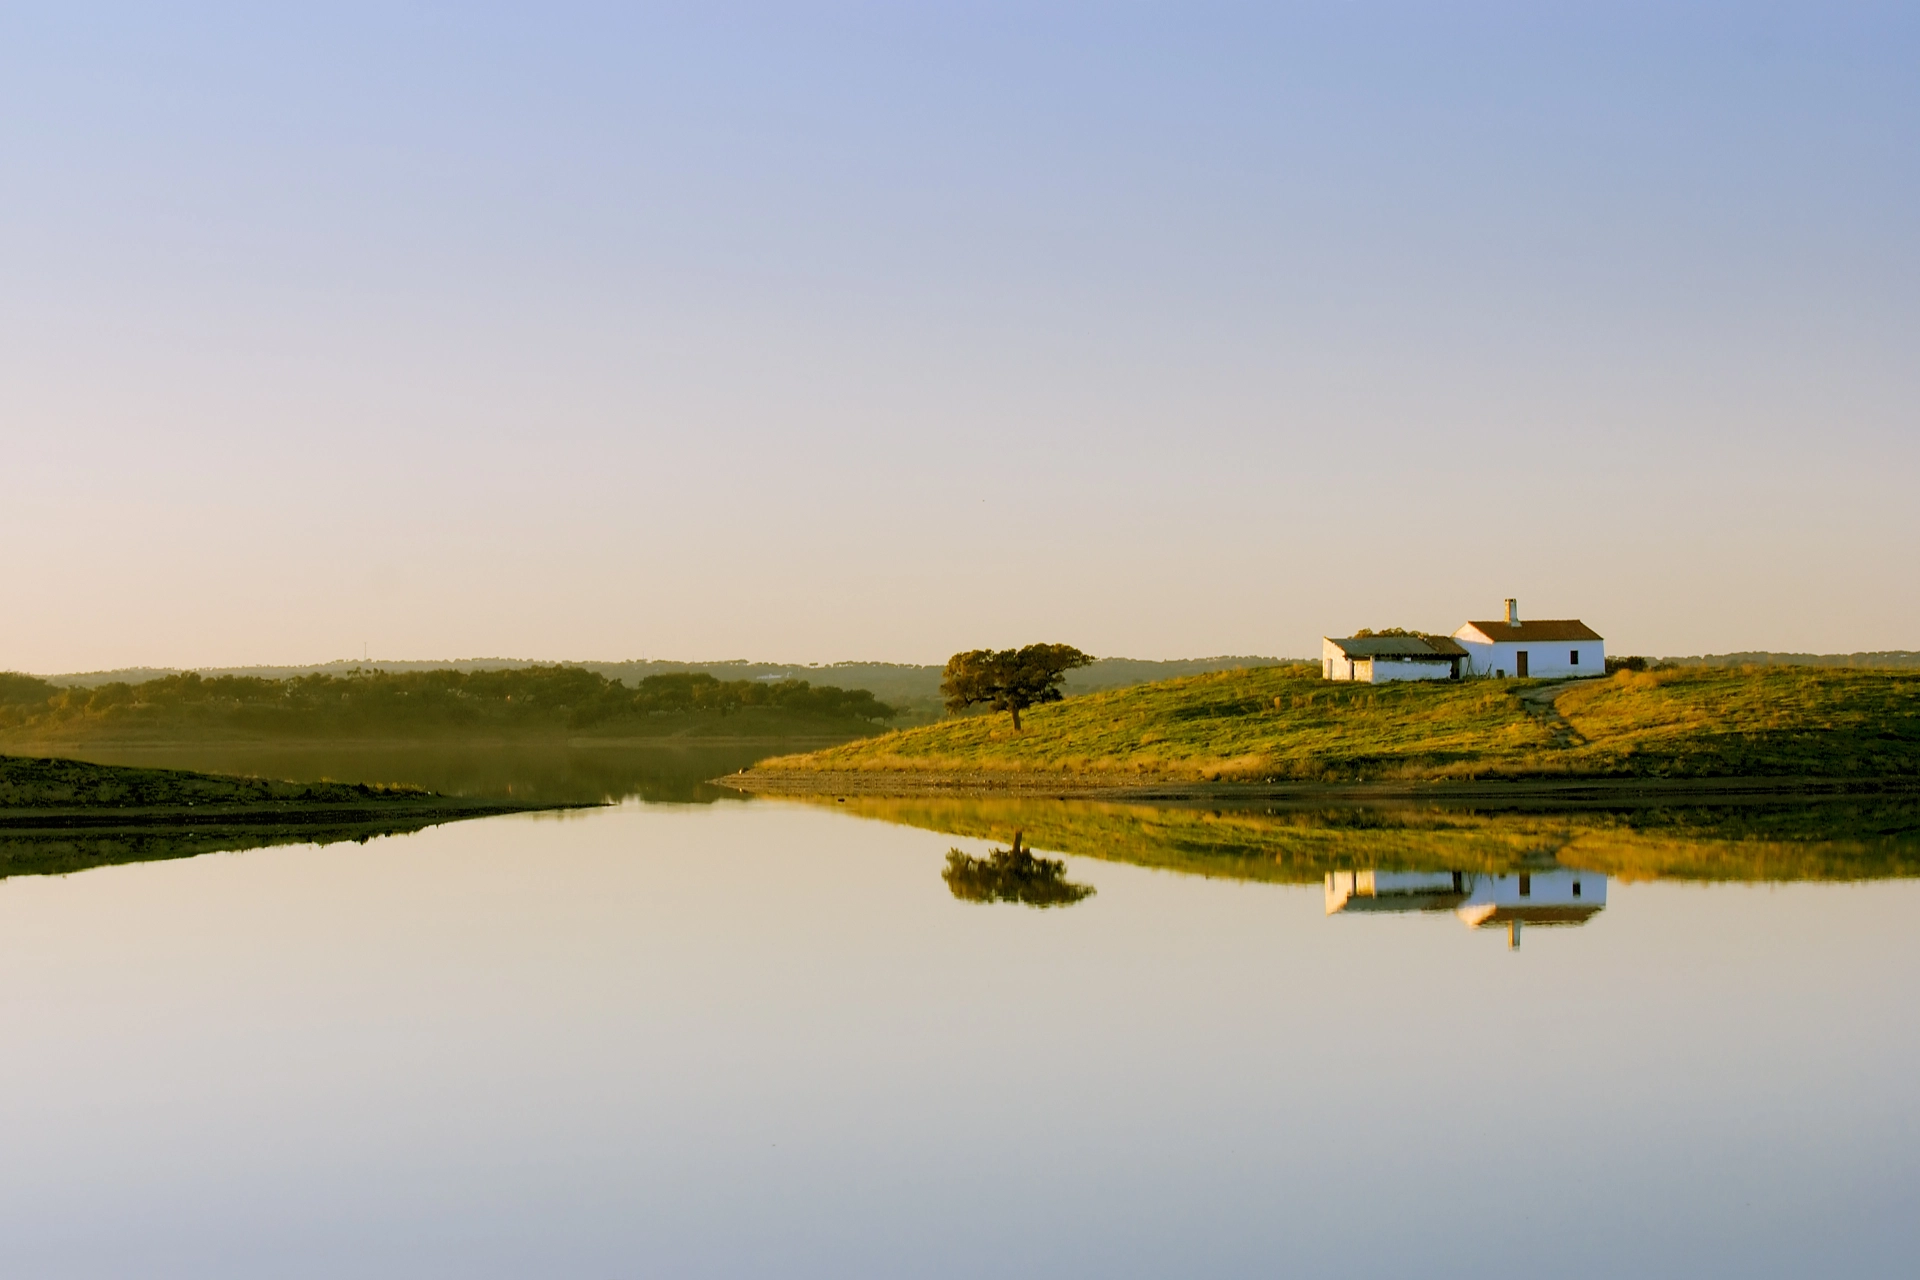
{"x":1538,"y":702}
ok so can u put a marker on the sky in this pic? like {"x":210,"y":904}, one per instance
{"x":879,"y":331}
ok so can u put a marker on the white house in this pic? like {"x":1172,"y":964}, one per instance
{"x":1378,"y":659}
{"x":1545,"y":899}
{"x":1550,"y":649}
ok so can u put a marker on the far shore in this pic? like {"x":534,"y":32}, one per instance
{"x":68,"y":746}
{"x":51,"y":793}
{"x":128,"y":818}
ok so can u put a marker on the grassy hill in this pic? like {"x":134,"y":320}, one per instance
{"x":1282,"y":724}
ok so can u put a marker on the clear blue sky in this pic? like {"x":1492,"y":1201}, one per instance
{"x":879,"y":331}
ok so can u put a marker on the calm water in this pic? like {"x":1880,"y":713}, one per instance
{"x":767,"y":1038}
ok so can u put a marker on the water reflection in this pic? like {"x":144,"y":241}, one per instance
{"x":763,"y":1039}
{"x":548,"y":773}
{"x":1012,"y":875}
{"x":1543,"y":899}
{"x":58,"y":853}
{"x":1801,"y":841}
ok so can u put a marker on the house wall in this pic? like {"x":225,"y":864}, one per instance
{"x":1549,"y":659}
{"x":1384,"y":670}
{"x":1333,"y":663}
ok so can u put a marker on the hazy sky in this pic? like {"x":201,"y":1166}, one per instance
{"x":879,"y":331}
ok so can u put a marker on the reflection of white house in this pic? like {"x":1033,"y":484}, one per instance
{"x":1557,"y":647}
{"x":1542,"y":898}
{"x":1378,"y":659}
{"x":1558,"y":897}
{"x":1395,"y":890}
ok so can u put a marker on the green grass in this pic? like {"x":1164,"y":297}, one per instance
{"x":1286,"y":724}
{"x":1759,"y":722}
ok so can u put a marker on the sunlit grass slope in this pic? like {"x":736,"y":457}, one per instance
{"x":1285,"y":723}
{"x":1755,"y":721}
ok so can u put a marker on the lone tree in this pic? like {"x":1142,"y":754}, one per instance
{"x":1009,"y":679}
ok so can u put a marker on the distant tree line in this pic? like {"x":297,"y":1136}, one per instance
{"x":549,"y":697}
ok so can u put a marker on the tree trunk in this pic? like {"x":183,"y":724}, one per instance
{"x":1016,"y":718}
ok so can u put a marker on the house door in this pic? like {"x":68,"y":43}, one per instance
{"x":1520,"y":663}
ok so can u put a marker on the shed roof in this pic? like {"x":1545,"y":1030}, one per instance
{"x":1417,"y":647}
{"x":1540,"y":629}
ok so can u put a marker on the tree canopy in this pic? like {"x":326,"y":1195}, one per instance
{"x":24,"y":691}
{"x":541,"y":698}
{"x":1009,"y":679}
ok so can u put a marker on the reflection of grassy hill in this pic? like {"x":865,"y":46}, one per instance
{"x":64,"y":815}
{"x":1807,"y":842}
{"x":527,"y":772}
{"x":1285,"y":724}
{"x":1235,"y":844}
{"x":59,"y":853}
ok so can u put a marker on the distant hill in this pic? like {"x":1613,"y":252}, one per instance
{"x":541,"y":702}
{"x":913,"y":688}
{"x":141,"y":675}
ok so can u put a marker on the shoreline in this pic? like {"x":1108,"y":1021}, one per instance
{"x":49,"y":794}
{"x":1561,"y":792}
{"x":63,"y":749}
{"x":105,"y":818}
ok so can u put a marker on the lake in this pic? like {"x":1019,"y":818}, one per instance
{"x":696,"y":1035}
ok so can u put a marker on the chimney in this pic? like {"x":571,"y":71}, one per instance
{"x":1513,"y":613}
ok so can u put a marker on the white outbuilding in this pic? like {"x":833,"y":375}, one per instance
{"x":1555,"y":648}
{"x":1378,"y":659}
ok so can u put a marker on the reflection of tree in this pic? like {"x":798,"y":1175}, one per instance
{"x":1012,"y":875}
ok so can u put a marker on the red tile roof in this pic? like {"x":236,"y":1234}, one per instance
{"x":1544,"y":629}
